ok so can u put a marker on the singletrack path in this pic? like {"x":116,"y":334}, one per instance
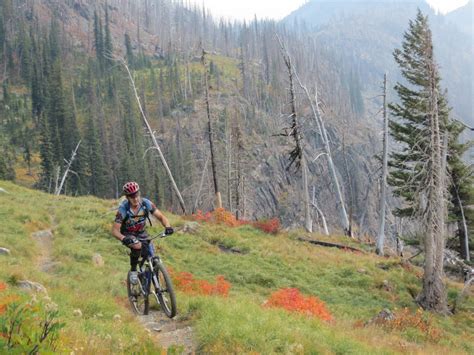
{"x":169,"y":333}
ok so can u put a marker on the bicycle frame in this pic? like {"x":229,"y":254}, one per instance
{"x":148,"y":264}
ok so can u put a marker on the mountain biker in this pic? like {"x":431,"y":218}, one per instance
{"x":130,"y":224}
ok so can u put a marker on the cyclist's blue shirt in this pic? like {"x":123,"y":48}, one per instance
{"x":134,"y":223}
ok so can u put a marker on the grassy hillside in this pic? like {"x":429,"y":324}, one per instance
{"x":353,"y":286}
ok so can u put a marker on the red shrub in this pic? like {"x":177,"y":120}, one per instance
{"x":271,"y":226}
{"x":219,"y":215}
{"x":222,"y":216}
{"x":186,"y":282}
{"x":292,"y":300}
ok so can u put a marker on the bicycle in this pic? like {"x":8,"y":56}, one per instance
{"x":151,"y":271}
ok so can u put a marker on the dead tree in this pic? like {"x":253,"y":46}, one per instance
{"x":68,"y":168}
{"x":327,"y":150}
{"x":297,"y":154}
{"x":152,"y":134}
{"x":314,"y":203}
{"x":383,"y":180}
{"x":433,"y":206}
{"x":464,"y":234}
{"x":210,"y":131}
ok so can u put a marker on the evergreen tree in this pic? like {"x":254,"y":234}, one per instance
{"x":410,"y":123}
{"x":56,"y":113}
{"x":24,"y":51}
{"x":46,"y":154}
{"x":98,"y":40}
{"x":108,"y":47}
{"x":38,"y":100}
{"x":97,"y":169}
{"x":461,"y":190}
{"x":419,"y":170}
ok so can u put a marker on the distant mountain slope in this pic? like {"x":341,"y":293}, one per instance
{"x":463,"y":18}
{"x":320,"y":12}
{"x":365,"y":33}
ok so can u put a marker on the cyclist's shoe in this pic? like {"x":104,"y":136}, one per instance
{"x":133,"y":277}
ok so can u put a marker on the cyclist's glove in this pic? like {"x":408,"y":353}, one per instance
{"x":129,"y":240}
{"x":169,"y":231}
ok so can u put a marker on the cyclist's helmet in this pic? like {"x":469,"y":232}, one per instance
{"x":130,"y":188}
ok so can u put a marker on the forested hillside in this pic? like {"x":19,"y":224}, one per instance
{"x":363,"y":34}
{"x":64,"y":86}
{"x":62,"y":72}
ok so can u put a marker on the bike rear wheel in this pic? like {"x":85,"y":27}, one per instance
{"x":164,"y":292}
{"x":138,"y":296}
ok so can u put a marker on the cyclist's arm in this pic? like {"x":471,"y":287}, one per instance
{"x":162,"y":218}
{"x":116,"y":231}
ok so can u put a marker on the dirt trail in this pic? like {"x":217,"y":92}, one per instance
{"x":169,"y":332}
{"x":44,"y":242}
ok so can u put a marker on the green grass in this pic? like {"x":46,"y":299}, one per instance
{"x":353,"y":286}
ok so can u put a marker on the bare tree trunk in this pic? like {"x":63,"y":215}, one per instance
{"x":218,"y":203}
{"x":229,"y":165}
{"x":433,"y":295}
{"x":323,"y":219}
{"x":463,"y":231}
{"x":383,"y":181}
{"x":152,"y":134}
{"x":308,"y":223}
{"x":69,"y":163}
{"x":327,"y":149}
{"x":200,"y":185}
{"x":297,"y":154}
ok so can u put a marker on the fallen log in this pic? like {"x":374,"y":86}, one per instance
{"x":330,"y":245}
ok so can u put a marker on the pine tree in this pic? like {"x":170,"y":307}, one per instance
{"x":419,"y":170}
{"x":461,"y":189}
{"x":98,"y":40}
{"x":96,"y":165}
{"x":410,"y":115}
{"x":46,"y":154}
{"x":108,"y":46}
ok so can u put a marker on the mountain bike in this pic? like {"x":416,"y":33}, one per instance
{"x":152,"y":279}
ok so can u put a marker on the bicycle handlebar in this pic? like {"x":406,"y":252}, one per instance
{"x":161,"y":235}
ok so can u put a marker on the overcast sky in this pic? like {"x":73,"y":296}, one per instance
{"x":277,"y":9}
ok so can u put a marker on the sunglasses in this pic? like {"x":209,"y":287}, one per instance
{"x":134,"y":195}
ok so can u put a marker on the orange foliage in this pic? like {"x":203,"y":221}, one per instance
{"x":406,"y":319}
{"x":186,"y":282}
{"x":222,"y":216}
{"x":292,"y":300}
{"x":3,"y":286}
{"x":219,"y":215}
{"x":271,"y":226}
{"x":5,"y":301}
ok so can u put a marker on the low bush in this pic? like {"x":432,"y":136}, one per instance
{"x":186,"y":282}
{"x":27,"y":325}
{"x":222,"y":216}
{"x":420,"y":321}
{"x":292,"y":300}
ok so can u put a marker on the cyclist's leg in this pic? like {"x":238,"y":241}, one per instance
{"x":147,"y":246}
{"x":134,"y":256}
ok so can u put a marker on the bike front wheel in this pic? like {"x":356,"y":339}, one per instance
{"x":137,"y":296}
{"x":164,"y":292}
